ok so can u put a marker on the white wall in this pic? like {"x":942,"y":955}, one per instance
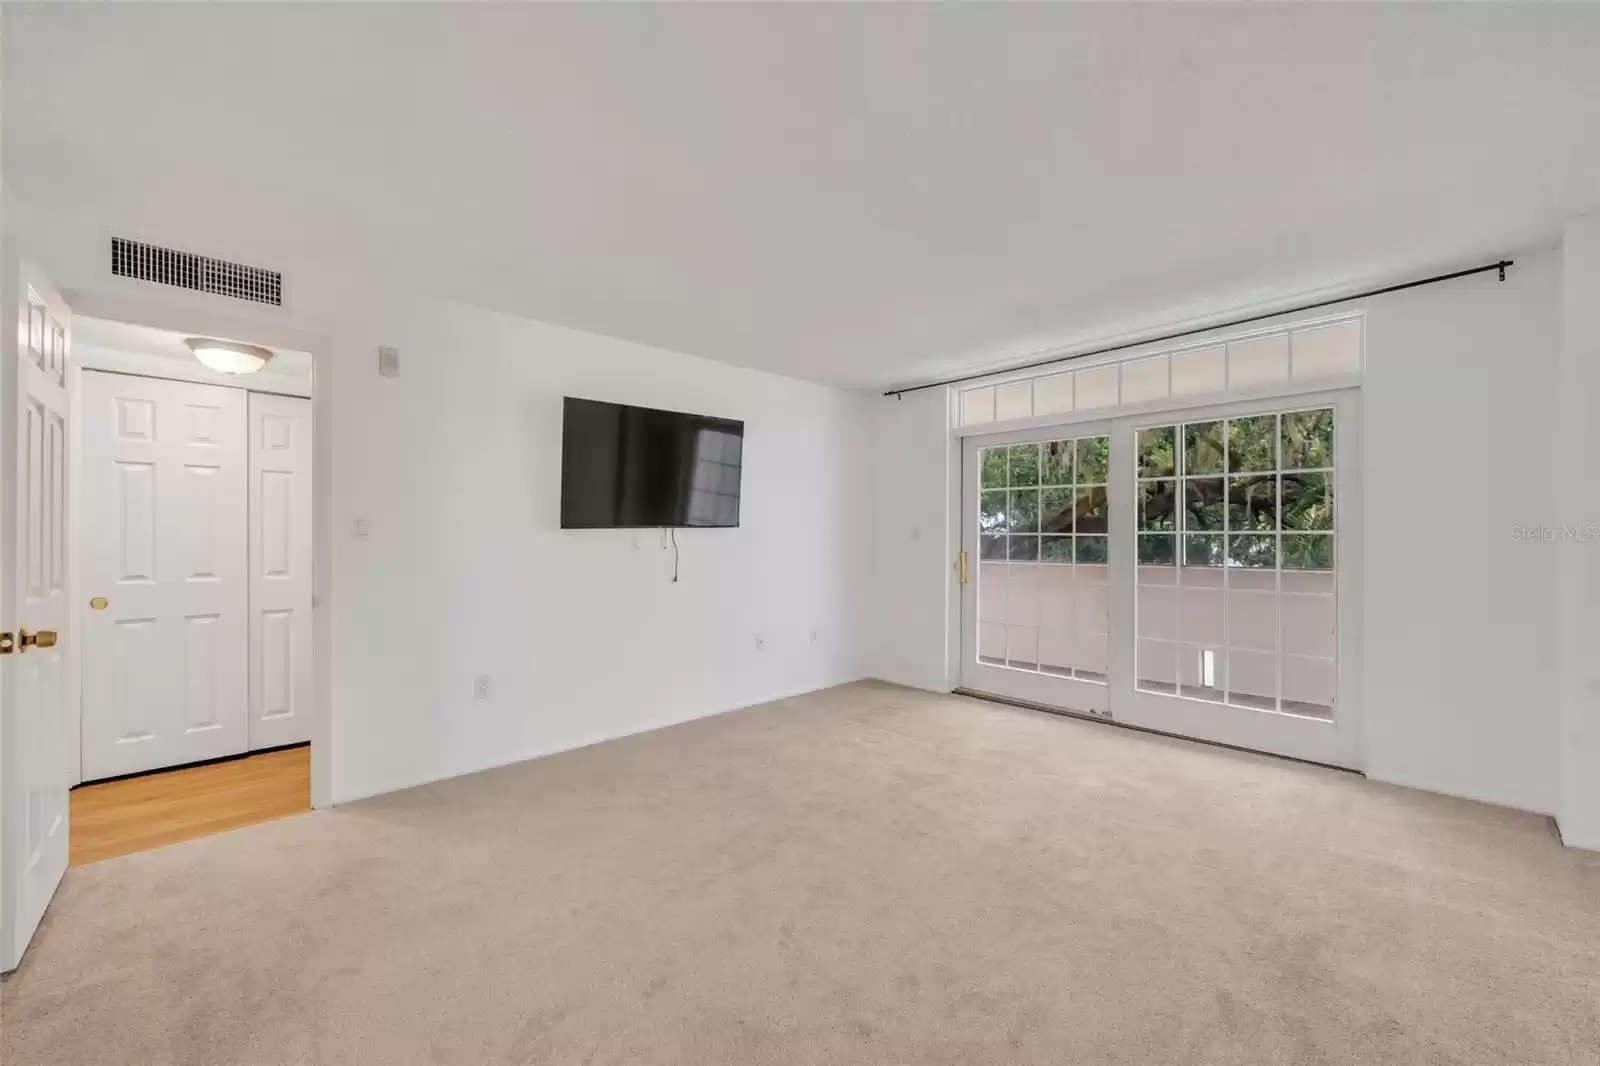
{"x":1460,"y":628}
{"x":457,"y":465}
{"x":1579,"y":567}
{"x":913,"y":545}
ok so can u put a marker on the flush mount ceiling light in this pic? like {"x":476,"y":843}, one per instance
{"x":228,"y":357}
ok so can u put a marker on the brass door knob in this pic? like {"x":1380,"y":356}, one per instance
{"x":45,"y":638}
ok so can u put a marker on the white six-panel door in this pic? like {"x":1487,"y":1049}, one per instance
{"x":280,"y":570}
{"x":33,"y":742}
{"x":165,"y":652}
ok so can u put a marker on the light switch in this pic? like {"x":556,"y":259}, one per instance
{"x":389,"y":362}
{"x":363,"y":527}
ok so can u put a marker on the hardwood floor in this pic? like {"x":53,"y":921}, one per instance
{"x":140,"y":813}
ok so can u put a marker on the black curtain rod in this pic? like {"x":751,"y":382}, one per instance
{"x":1053,"y":360}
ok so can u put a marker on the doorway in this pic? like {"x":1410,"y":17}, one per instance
{"x":193,"y":590}
{"x":1191,"y":571}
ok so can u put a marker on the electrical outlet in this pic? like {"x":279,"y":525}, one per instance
{"x":761,"y":642}
{"x":480,"y":687}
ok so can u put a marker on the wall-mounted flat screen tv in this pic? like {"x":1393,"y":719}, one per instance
{"x":632,"y":467}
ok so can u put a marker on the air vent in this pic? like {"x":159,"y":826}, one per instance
{"x":166,"y":266}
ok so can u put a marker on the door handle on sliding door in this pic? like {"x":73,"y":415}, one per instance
{"x":965,"y":576}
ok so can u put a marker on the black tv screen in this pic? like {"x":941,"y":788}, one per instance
{"x":628,"y":467}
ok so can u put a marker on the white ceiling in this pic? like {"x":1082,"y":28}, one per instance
{"x":145,"y":340}
{"x":860,"y":195}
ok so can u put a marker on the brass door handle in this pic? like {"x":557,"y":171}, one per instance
{"x":45,"y":638}
{"x":965,"y":576}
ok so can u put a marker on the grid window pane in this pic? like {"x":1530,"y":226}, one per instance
{"x":1013,"y":401}
{"x":1253,"y":443}
{"x":1256,"y":551}
{"x":1057,"y":468}
{"x":1092,"y":508}
{"x":1157,"y":455}
{"x":1091,"y":549}
{"x":1023,"y":549}
{"x":1156,"y":612}
{"x":1052,"y":395}
{"x":977,"y":407}
{"x":1094,"y":460}
{"x":1200,"y":371}
{"x":1024,"y":464}
{"x":993,"y":463}
{"x":1326,"y":350}
{"x":1307,"y":501}
{"x":1156,"y":666}
{"x":1157,"y":549}
{"x":1308,"y":440}
{"x":1144,"y":379}
{"x":1055,"y":549}
{"x":1202,"y":549}
{"x":1023,"y":510}
{"x":992,"y":643}
{"x":1259,"y":361}
{"x":1255,"y":585}
{"x":992,"y":512}
{"x":1202,"y":503}
{"x":1055,"y":511}
{"x":1158,"y":505}
{"x":1043,"y":584}
{"x":1253,"y":502}
{"x":1203,"y":448}
{"x":1097,"y":387}
{"x":1022,"y":647}
{"x":1307,"y":551}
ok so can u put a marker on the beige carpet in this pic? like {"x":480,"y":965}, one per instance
{"x":865,"y":875}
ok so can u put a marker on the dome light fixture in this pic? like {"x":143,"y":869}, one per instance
{"x":228,"y":357}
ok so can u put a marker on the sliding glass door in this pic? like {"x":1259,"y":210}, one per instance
{"x":1036,"y":511}
{"x":1191,"y":572}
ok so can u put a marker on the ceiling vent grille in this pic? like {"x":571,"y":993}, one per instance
{"x":201,"y":273}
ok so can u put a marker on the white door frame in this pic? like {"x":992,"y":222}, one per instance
{"x":1341,"y":743}
{"x":195,"y":320}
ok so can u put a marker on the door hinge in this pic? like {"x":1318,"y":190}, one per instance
{"x":8,"y":643}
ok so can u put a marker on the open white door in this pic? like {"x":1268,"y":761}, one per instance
{"x":35,"y":336}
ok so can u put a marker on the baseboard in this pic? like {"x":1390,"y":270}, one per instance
{"x":664,"y":722}
{"x":1576,"y":838}
{"x":1456,"y":793}
{"x":943,"y":689}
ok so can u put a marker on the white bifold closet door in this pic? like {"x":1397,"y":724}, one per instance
{"x":164,"y":556}
{"x":280,"y":570}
